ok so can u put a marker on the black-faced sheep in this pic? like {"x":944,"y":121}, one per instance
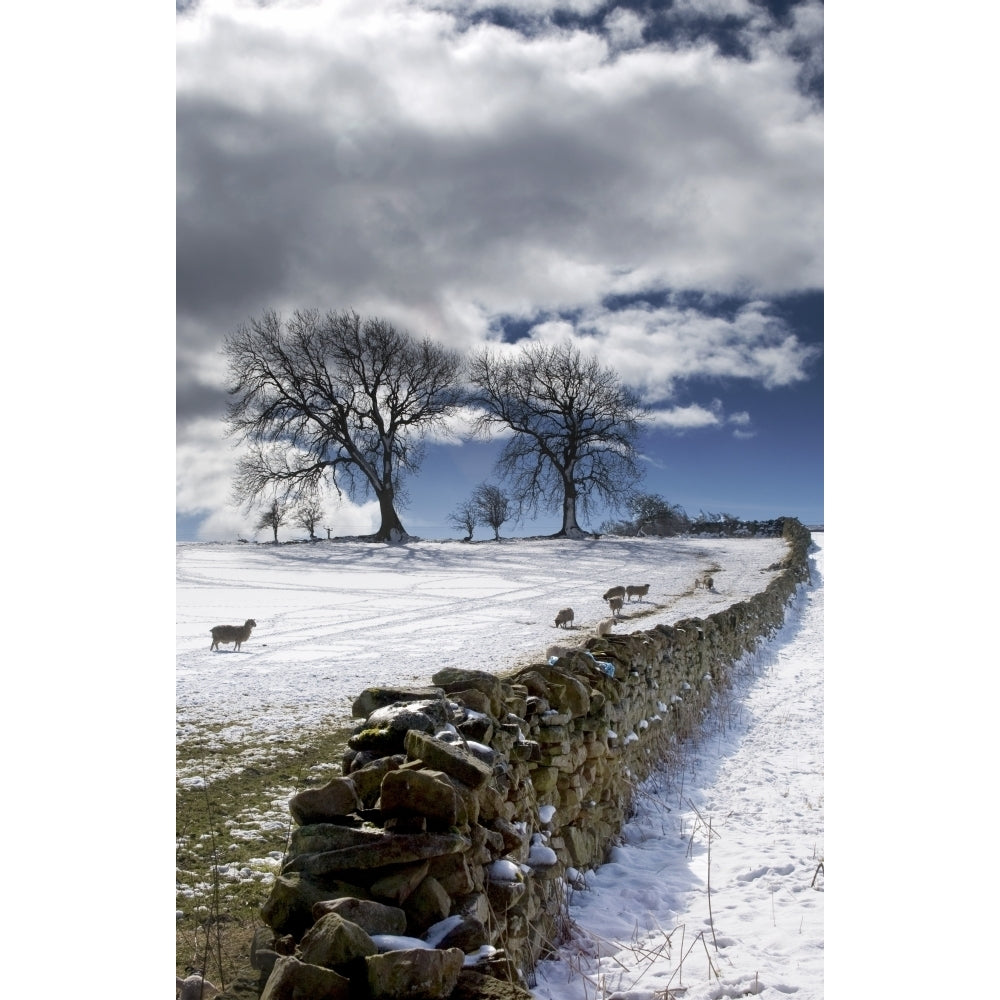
{"x":637,"y":591}
{"x":564,"y":618}
{"x":232,"y":633}
{"x":614,"y":592}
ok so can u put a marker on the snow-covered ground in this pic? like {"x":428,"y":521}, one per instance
{"x":744,"y":815}
{"x":336,"y":617}
{"x":717,"y":889}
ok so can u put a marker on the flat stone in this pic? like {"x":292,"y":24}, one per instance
{"x":369,"y":915}
{"x":451,"y":758}
{"x":415,"y":973}
{"x":378,"y":852}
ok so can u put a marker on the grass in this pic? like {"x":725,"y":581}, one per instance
{"x":232,"y":828}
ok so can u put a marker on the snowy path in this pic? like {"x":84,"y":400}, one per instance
{"x":755,"y":779}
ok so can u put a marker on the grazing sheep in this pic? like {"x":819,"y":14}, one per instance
{"x":637,"y":591}
{"x":614,"y":592}
{"x":615,"y":603}
{"x":604,"y":626}
{"x":704,"y":581}
{"x":564,"y":618}
{"x":195,"y":988}
{"x":232,"y":633}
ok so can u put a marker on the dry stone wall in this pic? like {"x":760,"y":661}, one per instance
{"x":437,"y":864}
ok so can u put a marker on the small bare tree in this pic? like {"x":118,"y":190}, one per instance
{"x":492,"y":506}
{"x":574,"y":423}
{"x":464,"y":517}
{"x":274,"y":515}
{"x":308,"y":511}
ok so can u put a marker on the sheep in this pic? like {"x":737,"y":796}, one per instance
{"x":637,"y":591}
{"x":604,"y":626}
{"x":704,"y":581}
{"x":237,"y":634}
{"x":195,"y":987}
{"x":564,"y":618}
{"x":615,"y":603}
{"x":614,"y":592}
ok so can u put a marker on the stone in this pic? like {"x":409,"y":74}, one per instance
{"x":477,"y":728}
{"x":452,"y":871}
{"x":475,"y":905}
{"x":470,"y":935}
{"x":369,"y":915}
{"x":427,"y":715}
{"x":317,"y":838}
{"x":458,"y":679}
{"x":426,"y":905}
{"x":338,"y":797}
{"x":262,"y":953}
{"x":472,"y":698}
{"x":513,"y":837}
{"x":397,"y":886}
{"x":288,"y":908}
{"x":474,"y":985}
{"x":374,"y":698}
{"x":295,"y":980}
{"x":377,"y":852}
{"x":427,"y":792}
{"x":368,"y":779}
{"x":333,"y":941}
{"x":414,"y":973}
{"x":448,"y":757}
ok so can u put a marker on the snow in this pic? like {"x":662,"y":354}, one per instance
{"x":742,"y":815}
{"x":336,"y":617}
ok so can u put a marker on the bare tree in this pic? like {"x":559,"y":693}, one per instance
{"x":335,"y":395}
{"x":308,"y":511}
{"x":492,"y":506}
{"x":465,"y":517}
{"x":274,"y":515}
{"x":574,"y":428}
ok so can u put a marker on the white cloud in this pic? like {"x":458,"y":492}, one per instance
{"x":682,"y":418}
{"x":624,"y":27}
{"x":658,"y":348}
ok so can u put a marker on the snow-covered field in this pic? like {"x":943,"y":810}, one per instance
{"x":334,"y":618}
{"x":743,"y":817}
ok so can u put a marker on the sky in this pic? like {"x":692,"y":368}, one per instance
{"x":643,"y":179}
{"x":407,"y":611}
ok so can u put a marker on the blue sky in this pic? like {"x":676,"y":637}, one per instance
{"x":644,"y":179}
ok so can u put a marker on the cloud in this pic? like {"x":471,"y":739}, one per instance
{"x":347,"y":155}
{"x":658,"y":348}
{"x":682,"y":418}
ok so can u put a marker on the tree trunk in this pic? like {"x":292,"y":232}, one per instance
{"x":391,"y":528}
{"x":569,"y":525}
